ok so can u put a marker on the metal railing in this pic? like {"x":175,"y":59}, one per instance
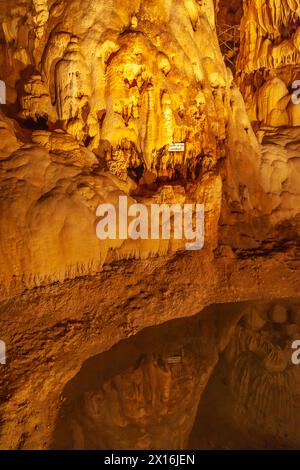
{"x":229,"y":41}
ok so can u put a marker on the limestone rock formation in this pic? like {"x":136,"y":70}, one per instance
{"x":125,"y":92}
{"x":98,"y":93}
{"x":267,"y":64}
{"x":149,"y":398}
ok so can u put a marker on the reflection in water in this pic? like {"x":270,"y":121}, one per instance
{"x":202,"y":382}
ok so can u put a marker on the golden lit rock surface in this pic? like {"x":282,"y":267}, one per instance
{"x":97,"y":92}
{"x":108,"y":90}
{"x":267,"y":64}
{"x":254,"y":388}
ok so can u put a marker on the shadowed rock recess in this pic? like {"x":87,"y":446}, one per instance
{"x":139,"y":344}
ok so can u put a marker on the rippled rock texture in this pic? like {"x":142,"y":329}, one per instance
{"x":268,"y":61}
{"x":96,"y":93}
{"x":151,"y":398}
{"x":99,"y":91}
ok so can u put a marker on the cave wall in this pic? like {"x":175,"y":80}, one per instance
{"x":174,"y":386}
{"x":268,"y":61}
{"x":253,"y":391}
{"x":96,"y":92}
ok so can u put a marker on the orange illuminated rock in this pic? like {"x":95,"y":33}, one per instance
{"x":148,"y":100}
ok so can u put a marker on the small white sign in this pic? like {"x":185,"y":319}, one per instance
{"x":177,"y":147}
{"x":174,"y":360}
